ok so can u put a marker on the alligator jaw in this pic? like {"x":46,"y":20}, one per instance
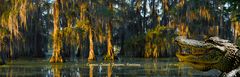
{"x":198,"y":61}
{"x":202,"y":59}
{"x":213,"y":53}
{"x":199,"y":54}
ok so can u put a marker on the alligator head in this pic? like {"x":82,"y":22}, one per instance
{"x":214,"y":53}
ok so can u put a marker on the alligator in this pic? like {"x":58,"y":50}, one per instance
{"x":213,"y":53}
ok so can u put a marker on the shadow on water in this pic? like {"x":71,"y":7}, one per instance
{"x":126,"y":68}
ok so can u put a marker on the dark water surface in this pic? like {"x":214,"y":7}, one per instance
{"x":127,"y":67}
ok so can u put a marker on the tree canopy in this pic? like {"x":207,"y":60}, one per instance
{"x":105,"y":29}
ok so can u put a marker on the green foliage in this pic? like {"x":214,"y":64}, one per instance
{"x":71,"y":36}
{"x":104,"y":11}
{"x":134,"y":46}
{"x":153,"y":41}
{"x":156,"y":31}
{"x":83,"y":24}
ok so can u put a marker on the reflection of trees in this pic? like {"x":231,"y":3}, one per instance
{"x":10,"y":70}
{"x":109,"y":74}
{"x":166,"y":68}
{"x":180,"y":69}
{"x":108,"y":70}
{"x":56,"y":69}
{"x":151,"y":67}
{"x":91,"y":70}
{"x":66,"y":70}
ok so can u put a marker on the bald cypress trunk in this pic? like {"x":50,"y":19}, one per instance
{"x":110,"y":53}
{"x":91,"y":50}
{"x":57,"y":43}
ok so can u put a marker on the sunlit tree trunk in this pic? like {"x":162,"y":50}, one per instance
{"x":110,"y":53}
{"x":91,"y":50}
{"x":83,"y":17}
{"x":56,"y":57}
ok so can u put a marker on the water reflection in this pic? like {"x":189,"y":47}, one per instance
{"x":91,"y":70}
{"x":147,"y":67}
{"x":109,"y":70}
{"x":56,"y":69}
{"x":101,"y":69}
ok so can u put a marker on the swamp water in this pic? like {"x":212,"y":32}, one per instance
{"x":127,"y":67}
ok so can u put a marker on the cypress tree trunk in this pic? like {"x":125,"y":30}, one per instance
{"x":110,"y":53}
{"x":57,"y":43}
{"x":91,"y":51}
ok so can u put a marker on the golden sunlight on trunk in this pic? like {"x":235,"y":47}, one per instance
{"x":110,"y":54}
{"x":91,"y":51}
{"x":183,"y":29}
{"x":57,"y":43}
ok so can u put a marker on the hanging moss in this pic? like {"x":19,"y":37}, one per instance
{"x":154,"y":42}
